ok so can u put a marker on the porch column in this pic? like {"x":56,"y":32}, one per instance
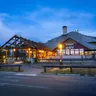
{"x":36,"y":53}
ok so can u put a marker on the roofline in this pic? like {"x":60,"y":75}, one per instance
{"x":40,"y":46}
{"x":75,"y":41}
{"x":9,"y":40}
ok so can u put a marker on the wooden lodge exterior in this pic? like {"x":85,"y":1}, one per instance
{"x":19,"y":47}
{"x":74,"y":44}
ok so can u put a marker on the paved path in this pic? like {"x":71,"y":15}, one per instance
{"x":32,"y":69}
{"x":15,"y":85}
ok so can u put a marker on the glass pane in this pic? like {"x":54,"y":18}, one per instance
{"x":63,"y":52}
{"x":67,"y":52}
{"x":76,"y":51}
{"x":72,"y":51}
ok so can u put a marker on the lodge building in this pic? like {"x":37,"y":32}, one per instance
{"x":19,"y":47}
{"x":73,"y":44}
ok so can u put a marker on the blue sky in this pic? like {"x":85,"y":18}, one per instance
{"x":41,"y":20}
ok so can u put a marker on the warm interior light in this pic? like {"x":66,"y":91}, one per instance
{"x":14,"y":49}
{"x":81,"y":53}
{"x":29,"y":49}
{"x":39,"y":50}
{"x":4,"y":56}
{"x":42,"y":51}
{"x":26,"y":51}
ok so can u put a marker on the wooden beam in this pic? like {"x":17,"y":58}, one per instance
{"x":9,"y":40}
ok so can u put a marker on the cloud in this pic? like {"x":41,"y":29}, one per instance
{"x":50,"y":21}
{"x":43,"y":24}
{"x":5,"y":32}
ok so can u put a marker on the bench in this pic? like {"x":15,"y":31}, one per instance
{"x":67,"y":66}
{"x":11,"y":65}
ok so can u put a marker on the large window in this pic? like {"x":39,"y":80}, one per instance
{"x":69,"y":45}
{"x":81,"y":51}
{"x":72,"y":51}
{"x":67,"y":52}
{"x":77,"y":52}
{"x":63,"y":52}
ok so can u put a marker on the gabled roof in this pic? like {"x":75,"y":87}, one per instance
{"x":80,"y":38}
{"x":20,"y":42}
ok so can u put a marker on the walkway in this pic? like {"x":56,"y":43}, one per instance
{"x":32,"y":69}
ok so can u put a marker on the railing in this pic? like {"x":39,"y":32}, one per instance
{"x":67,"y":66}
{"x":69,"y":61}
{"x":11,"y":65}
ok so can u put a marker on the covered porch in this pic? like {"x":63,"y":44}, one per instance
{"x":19,"y":48}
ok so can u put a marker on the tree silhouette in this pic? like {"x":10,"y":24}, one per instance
{"x":1,"y":56}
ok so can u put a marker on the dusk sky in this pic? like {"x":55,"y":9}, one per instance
{"x":41,"y":20}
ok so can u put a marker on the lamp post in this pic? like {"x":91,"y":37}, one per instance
{"x":60,"y":47}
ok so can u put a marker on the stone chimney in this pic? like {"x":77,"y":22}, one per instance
{"x":64,"y":30}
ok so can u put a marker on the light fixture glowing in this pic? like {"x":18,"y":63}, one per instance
{"x":29,"y":49}
{"x":14,"y":49}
